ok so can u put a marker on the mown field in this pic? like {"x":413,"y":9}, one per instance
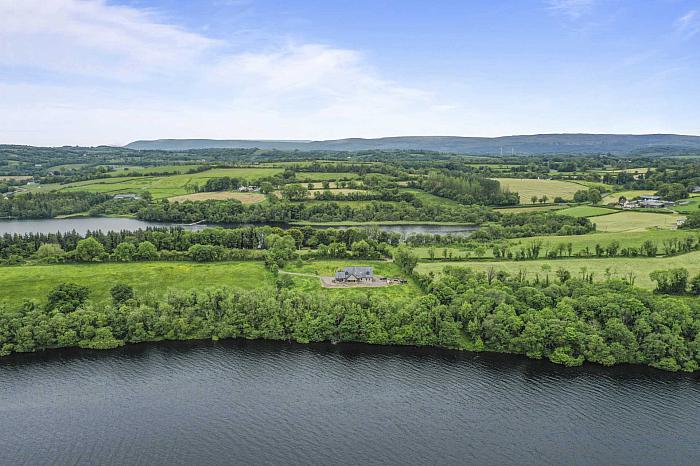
{"x":245,"y":198}
{"x":635,"y":221}
{"x":615,"y":197}
{"x":163,"y":186}
{"x":617,"y":266}
{"x":527,"y":188}
{"x":35,"y":282}
{"x":586,"y":211}
{"x":531,"y":208}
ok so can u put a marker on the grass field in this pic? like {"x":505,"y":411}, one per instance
{"x":693,"y":205}
{"x":324,"y":176}
{"x":430,"y":199}
{"x":615,"y":197}
{"x":531,"y":208}
{"x":641,"y":267}
{"x":245,"y":198}
{"x":586,"y":211}
{"x":14,"y":177}
{"x":163,"y":186}
{"x":632,"y":239}
{"x":635,"y":221}
{"x":35,"y":282}
{"x":528,"y":188}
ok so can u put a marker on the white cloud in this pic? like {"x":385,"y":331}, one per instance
{"x":688,"y":25}
{"x":114,"y":73}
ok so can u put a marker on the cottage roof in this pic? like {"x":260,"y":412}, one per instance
{"x":359,"y":272}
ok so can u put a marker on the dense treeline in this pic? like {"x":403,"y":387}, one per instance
{"x":568,"y":322}
{"x":48,"y":205}
{"x":468,"y":189}
{"x":387,"y":195}
{"x":571,"y":321}
{"x":180,"y":244}
{"x":521,"y":225}
{"x":233,"y":212}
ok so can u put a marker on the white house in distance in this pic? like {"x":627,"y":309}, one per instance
{"x":355,"y":274}
{"x":647,"y":202}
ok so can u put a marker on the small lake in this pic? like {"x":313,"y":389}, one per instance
{"x":82,"y":225}
{"x":408,"y":229}
{"x":237,"y":402}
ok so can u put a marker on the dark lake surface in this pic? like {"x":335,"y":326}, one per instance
{"x":270,"y":403}
{"x":82,"y":225}
{"x":408,"y":229}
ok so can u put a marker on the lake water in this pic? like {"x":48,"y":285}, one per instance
{"x":82,"y":225}
{"x":271,"y":403}
{"x":407,"y":229}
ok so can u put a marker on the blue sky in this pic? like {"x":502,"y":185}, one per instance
{"x":108,"y":72}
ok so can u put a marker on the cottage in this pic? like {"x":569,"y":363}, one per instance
{"x":354,"y":274}
{"x":127,"y":196}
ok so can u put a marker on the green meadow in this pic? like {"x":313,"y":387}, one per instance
{"x":616,"y":266}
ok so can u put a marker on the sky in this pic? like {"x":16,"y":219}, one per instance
{"x":90,"y":72}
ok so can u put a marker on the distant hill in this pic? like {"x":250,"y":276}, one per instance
{"x":530,"y":144}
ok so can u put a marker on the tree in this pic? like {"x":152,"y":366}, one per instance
{"x":594,"y":196}
{"x":89,"y":250}
{"x":121,"y":293}
{"x":124,"y":252}
{"x":146,"y":251}
{"x":672,"y":191}
{"x":695,"y":285}
{"x":361,"y":249}
{"x":67,"y":297}
{"x":294,"y":192}
{"x":405,"y":259}
{"x":50,"y":252}
{"x":266,"y":187}
{"x":673,"y":281}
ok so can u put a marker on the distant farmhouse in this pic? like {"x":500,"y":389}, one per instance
{"x":646,"y":202}
{"x":249,"y":189}
{"x":127,"y":196}
{"x":355,"y":274}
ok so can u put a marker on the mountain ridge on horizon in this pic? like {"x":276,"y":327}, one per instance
{"x":584,"y":143}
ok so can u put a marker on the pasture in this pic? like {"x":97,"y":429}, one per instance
{"x":531,"y":208}
{"x":165,"y":186}
{"x":615,"y":197}
{"x":586,"y":211}
{"x":35,"y":282}
{"x":579,"y":243}
{"x":616,"y":266}
{"x":635,"y":221}
{"x":527,"y":188}
{"x":324,"y":176}
{"x":245,"y":198}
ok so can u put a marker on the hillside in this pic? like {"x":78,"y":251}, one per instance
{"x":528,"y":144}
